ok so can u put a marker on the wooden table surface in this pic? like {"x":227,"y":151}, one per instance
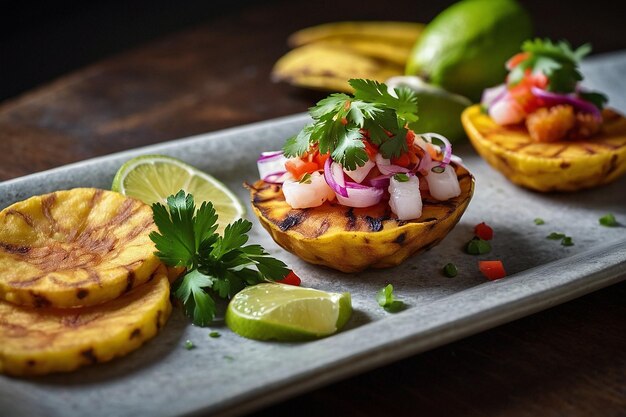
{"x":567,"y":361}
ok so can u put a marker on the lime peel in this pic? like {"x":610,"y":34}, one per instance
{"x":287,"y":313}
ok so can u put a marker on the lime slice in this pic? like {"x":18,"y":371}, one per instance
{"x":287,"y":313}
{"x":439,"y":110}
{"x":152,"y":178}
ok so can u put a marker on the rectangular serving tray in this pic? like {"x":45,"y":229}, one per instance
{"x":231,"y":375}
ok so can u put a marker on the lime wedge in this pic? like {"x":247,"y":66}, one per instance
{"x":152,"y":178}
{"x":287,"y":313}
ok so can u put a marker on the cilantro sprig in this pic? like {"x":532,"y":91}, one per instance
{"x":559,"y":63}
{"x":339,"y":121}
{"x":216,"y":265}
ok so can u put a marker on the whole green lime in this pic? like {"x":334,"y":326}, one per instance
{"x":439,"y":110}
{"x":465,"y":47}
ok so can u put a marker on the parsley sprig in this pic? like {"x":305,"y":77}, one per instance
{"x":559,"y":62}
{"x":340,"y":120}
{"x":220,"y":265}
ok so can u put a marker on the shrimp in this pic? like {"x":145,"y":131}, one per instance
{"x":307,"y":194}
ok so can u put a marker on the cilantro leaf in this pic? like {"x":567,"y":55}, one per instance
{"x":297,"y":145}
{"x":198,"y":304}
{"x":350,"y":149}
{"x":597,"y":99}
{"x":219,"y":265}
{"x":608,"y":220}
{"x":341,"y":123}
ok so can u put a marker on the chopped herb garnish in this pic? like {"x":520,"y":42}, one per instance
{"x":539,"y":221}
{"x":555,"y":236}
{"x":567,"y":241}
{"x":559,"y":63}
{"x":478,"y":246}
{"x":189,"y":345}
{"x":340,"y":120}
{"x":450,"y":270}
{"x":220,"y":264}
{"x":401,"y":177}
{"x":608,"y":220}
{"x":438,"y":169}
{"x":229,"y":358}
{"x":214,"y":334}
{"x":306,"y":179}
{"x":388,"y":301}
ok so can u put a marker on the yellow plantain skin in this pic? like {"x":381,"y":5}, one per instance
{"x":74,"y":248}
{"x":354,"y":239}
{"x":329,"y":67}
{"x":394,"y":32}
{"x":37,"y":341}
{"x":556,"y":166}
{"x":374,"y":48}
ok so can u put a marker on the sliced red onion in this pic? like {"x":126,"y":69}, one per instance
{"x":447,"y":151}
{"x":361,"y":197}
{"x":271,"y":165}
{"x":387,"y":168}
{"x":382,"y":181}
{"x":425,"y":163}
{"x":333,"y":174}
{"x":552,"y":99}
{"x":492,"y":95}
{"x":276,"y":177}
{"x":270,"y":155}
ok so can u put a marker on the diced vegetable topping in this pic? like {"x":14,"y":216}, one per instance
{"x":492,"y":270}
{"x":291,"y":279}
{"x":450,"y":270}
{"x":539,"y":221}
{"x":478,"y":246}
{"x":483,"y":231}
{"x":189,"y":345}
{"x":388,"y":301}
{"x":364,"y":147}
{"x":608,"y":220}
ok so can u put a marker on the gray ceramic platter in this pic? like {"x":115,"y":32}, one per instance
{"x":231,"y":375}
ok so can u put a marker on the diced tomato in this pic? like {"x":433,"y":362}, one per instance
{"x":297,"y":167}
{"x":291,"y":279}
{"x":403,"y":160}
{"x":320,"y":159}
{"x":515,"y":60}
{"x":492,"y":270}
{"x":410,"y":137}
{"x":371,"y":149}
{"x":483,"y":231}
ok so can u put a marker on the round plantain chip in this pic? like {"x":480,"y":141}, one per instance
{"x":37,"y":341}
{"x":353,"y":239}
{"x":74,"y":248}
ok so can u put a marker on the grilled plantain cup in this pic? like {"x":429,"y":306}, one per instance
{"x":74,"y":248}
{"x":38,"y":341}
{"x":567,"y":165}
{"x":353,"y":239}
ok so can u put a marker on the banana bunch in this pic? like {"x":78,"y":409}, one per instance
{"x":326,"y":56}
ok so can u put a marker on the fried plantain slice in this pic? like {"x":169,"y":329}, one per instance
{"x":566,"y":165}
{"x":353,"y":239}
{"x":74,"y":248}
{"x":36,"y":341}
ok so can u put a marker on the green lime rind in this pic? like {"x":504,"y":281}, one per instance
{"x":465,"y":47}
{"x":262,"y":328}
{"x":152,"y":178}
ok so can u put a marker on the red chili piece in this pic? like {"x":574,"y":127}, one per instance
{"x":483,"y":231}
{"x":492,"y":270}
{"x":291,"y":279}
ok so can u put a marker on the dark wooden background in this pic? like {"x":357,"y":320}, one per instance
{"x":81,"y":79}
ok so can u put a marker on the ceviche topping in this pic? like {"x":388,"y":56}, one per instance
{"x":543,"y":90}
{"x":361,"y":150}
